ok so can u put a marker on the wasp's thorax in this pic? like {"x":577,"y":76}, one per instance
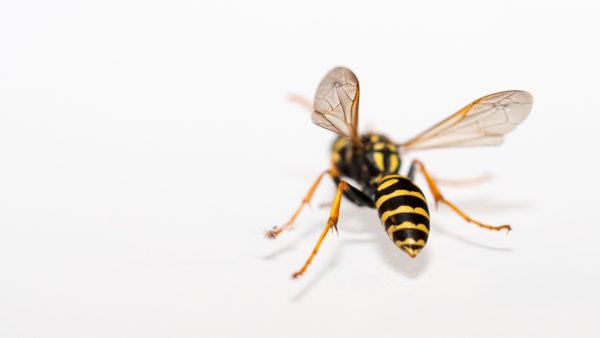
{"x":368,"y":164}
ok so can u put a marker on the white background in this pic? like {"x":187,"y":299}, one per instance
{"x":145,"y":147}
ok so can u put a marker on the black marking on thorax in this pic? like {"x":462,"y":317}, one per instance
{"x":377,"y":158}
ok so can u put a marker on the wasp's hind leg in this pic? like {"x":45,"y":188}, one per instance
{"x":343,"y":188}
{"x":440,"y":198}
{"x":273,"y":233}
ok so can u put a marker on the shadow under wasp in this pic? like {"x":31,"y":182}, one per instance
{"x":373,"y":161}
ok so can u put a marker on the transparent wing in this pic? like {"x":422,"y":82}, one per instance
{"x":336,"y":103}
{"x":484,"y":122}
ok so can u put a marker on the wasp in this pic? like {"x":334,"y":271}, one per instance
{"x":372,"y":161}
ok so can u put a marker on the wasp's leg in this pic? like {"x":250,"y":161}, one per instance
{"x":273,"y":233}
{"x":440,"y":198}
{"x":331,"y":224}
{"x":462,"y":182}
{"x":356,"y":196}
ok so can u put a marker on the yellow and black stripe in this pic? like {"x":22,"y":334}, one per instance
{"x":403,"y":211}
{"x":383,"y":155}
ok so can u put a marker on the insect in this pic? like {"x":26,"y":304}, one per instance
{"x":373,"y":161}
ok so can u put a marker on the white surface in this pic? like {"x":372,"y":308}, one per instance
{"x":144,"y":147}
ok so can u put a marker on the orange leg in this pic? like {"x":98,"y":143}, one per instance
{"x":331,"y":224}
{"x":273,"y":233}
{"x":464,"y":182}
{"x":440,"y":198}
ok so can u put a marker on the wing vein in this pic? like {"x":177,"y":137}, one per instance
{"x":483,"y":122}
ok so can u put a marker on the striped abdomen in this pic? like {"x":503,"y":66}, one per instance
{"x":404,"y":213}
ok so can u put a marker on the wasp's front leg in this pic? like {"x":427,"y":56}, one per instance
{"x":273,"y":233}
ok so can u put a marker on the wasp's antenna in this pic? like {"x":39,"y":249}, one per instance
{"x":301,"y":101}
